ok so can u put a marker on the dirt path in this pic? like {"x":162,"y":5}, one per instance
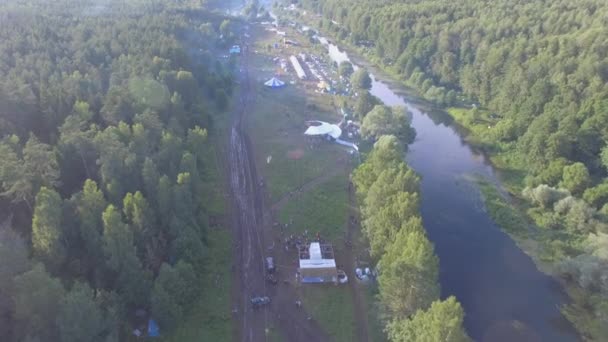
{"x":248,"y":244}
{"x":252,"y":231}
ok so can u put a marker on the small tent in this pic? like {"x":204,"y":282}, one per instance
{"x":235,"y":50}
{"x":274,"y":83}
{"x":153,"y":330}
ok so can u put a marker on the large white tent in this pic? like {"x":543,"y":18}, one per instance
{"x":324,"y":129}
{"x":297,"y":67}
{"x":274,"y":83}
{"x":318,"y":265}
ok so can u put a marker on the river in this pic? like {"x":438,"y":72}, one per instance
{"x":504,"y":295}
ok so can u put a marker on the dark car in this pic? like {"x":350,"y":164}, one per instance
{"x":260,"y":301}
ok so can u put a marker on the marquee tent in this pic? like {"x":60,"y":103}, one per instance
{"x":323,"y":129}
{"x":274,"y":83}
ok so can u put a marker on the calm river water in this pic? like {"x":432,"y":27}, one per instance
{"x":504,"y":295}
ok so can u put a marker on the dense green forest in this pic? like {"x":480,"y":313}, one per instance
{"x":104,"y":118}
{"x":408,"y":279}
{"x":532,"y":80}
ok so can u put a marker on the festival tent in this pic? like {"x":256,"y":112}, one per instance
{"x":274,"y":83}
{"x":323,"y":129}
{"x":317,"y":264}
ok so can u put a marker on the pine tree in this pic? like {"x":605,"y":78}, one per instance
{"x":47,"y":230}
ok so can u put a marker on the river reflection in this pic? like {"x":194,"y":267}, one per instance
{"x":504,"y":295}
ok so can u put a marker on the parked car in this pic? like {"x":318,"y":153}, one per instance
{"x":260,"y":301}
{"x":342,"y":277}
{"x":270,"y":265}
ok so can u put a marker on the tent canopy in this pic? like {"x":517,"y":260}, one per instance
{"x":153,"y":330}
{"x":235,"y":49}
{"x":318,"y":268}
{"x":324,"y":128}
{"x":274,"y":83}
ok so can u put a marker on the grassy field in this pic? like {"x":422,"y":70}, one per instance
{"x":324,"y":209}
{"x":283,"y":155}
{"x":332,"y":307}
{"x":288,"y":160}
{"x":210,"y":318}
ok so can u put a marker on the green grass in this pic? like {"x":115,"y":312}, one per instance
{"x":376,"y":326}
{"x":332,"y":307}
{"x":323,"y":209}
{"x":210,"y":317}
{"x":502,"y":212}
{"x":277,"y":136}
{"x":273,"y":335}
{"x":277,"y":125}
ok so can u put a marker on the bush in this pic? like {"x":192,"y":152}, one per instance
{"x":544,"y":195}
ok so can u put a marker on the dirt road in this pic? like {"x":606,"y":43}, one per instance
{"x":252,"y":232}
{"x":248,"y":242}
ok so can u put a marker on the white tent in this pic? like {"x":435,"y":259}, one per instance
{"x":324,"y":128}
{"x":297,"y":67}
{"x":317,"y":267}
{"x":274,"y":83}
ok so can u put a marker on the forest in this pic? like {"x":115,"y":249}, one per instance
{"x":533,"y":79}
{"x":105,"y":125}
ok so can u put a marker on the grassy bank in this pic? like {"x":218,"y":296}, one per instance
{"x":505,"y":214}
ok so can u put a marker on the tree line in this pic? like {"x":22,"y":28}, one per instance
{"x":536,"y":74}
{"x":105,"y":172}
{"x":408,"y":268}
{"x":546,"y":88}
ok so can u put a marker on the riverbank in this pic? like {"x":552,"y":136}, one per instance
{"x":465,"y":232}
{"x":502,"y":197}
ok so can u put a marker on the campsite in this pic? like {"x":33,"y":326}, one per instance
{"x":303,"y":174}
